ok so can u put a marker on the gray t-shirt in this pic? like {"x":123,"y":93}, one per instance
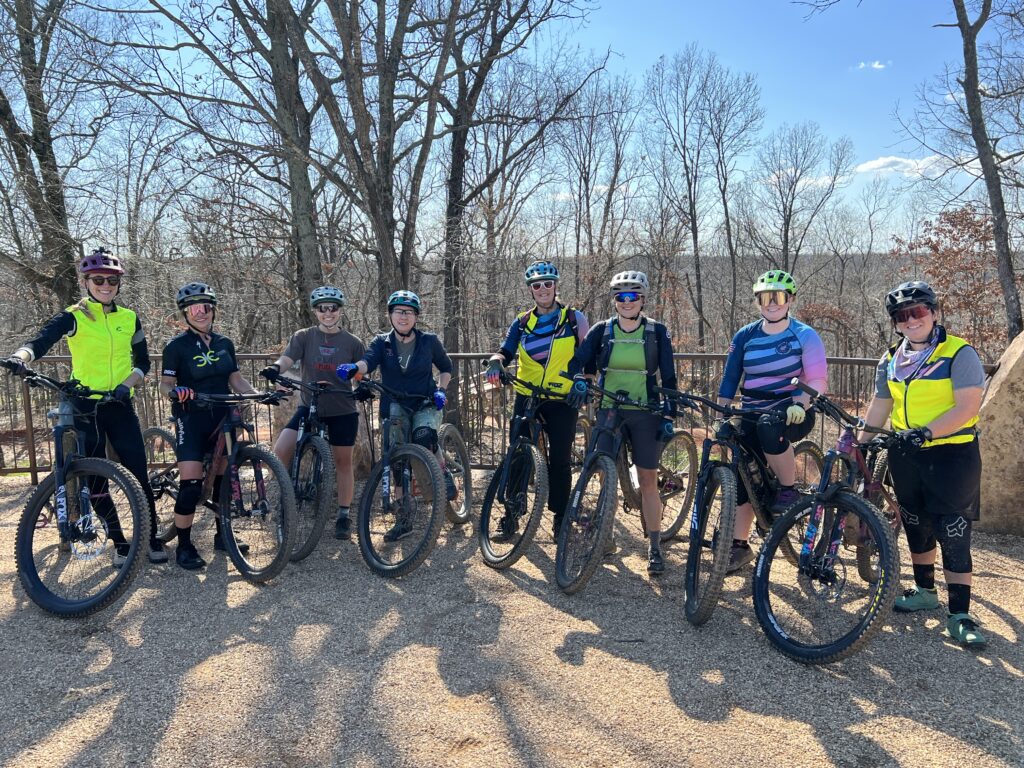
{"x":321,"y":353}
{"x":966,"y":371}
{"x":405,"y":351}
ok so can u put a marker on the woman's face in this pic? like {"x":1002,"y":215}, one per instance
{"x":915,"y":322}
{"x":200,"y":316}
{"x":774,"y":305}
{"x":403,"y":319}
{"x":628,"y":304}
{"x":99,"y":287}
{"x":543,"y":292}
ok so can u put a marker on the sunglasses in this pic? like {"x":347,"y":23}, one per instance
{"x":767,"y":298}
{"x":108,"y":279}
{"x":917,"y":312}
{"x":624,"y":296}
{"x":542,"y":284}
{"x":327,"y":308}
{"x":199,"y":309}
{"x":403,"y":312}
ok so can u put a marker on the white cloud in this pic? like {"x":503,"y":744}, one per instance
{"x":874,"y":65}
{"x":928,"y":167}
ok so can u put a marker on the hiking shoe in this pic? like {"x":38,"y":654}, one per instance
{"x":918,"y":599}
{"x":220,"y":546}
{"x":157,"y":552}
{"x":343,"y":528}
{"x":655,"y":563}
{"x":398,"y":531}
{"x":508,"y":526}
{"x":449,"y":486}
{"x":739,"y":556}
{"x":964,"y":629}
{"x":784,"y":499}
{"x":188,"y":558}
{"x":121,"y":553}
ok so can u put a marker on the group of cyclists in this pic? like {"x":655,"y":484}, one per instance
{"x":929,"y":385}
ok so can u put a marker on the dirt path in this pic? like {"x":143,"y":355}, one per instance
{"x":461,"y":665}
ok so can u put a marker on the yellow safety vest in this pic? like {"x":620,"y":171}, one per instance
{"x":101,"y":347}
{"x":560,"y":352}
{"x":921,"y":400}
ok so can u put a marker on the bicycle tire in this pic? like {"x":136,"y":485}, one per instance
{"x":271,"y":530}
{"x":865,"y":550}
{"x":159,"y":446}
{"x":707,"y":560}
{"x":32,"y":537}
{"x":780,"y":586}
{"x":537,"y":477}
{"x":375,"y":551}
{"x":314,"y":495}
{"x":586,"y":530}
{"x":456,"y":459}
{"x":677,"y":482}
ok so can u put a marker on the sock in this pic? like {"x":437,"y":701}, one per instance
{"x":924,"y":576}
{"x":959,"y":597}
{"x":654,"y":539}
{"x":342,"y":512}
{"x":184,"y":536}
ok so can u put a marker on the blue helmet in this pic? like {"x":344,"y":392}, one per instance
{"x":404,"y":299}
{"x":540,"y":270}
{"x":325,"y":294}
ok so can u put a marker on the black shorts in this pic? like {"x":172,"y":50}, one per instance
{"x":944,"y":480}
{"x":641,"y":428}
{"x":198,"y":429}
{"x":754,"y":435}
{"x":341,"y":430}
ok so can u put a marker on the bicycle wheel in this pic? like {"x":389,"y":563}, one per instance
{"x":507,"y":527}
{"x":162,"y":466}
{"x":581,"y":442}
{"x":587,"y":526}
{"x":710,"y":543}
{"x":815,"y":614}
{"x":261,"y":515}
{"x":72,"y":575}
{"x":677,"y":482}
{"x":810,"y":462}
{"x":314,"y":495}
{"x":397,"y":536}
{"x":885,"y":502}
{"x":456,"y":461}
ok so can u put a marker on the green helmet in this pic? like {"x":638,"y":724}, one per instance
{"x":775,"y":280}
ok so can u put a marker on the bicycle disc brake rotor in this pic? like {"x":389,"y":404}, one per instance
{"x":89,"y":537}
{"x":825,"y":583}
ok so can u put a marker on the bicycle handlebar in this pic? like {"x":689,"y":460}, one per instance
{"x":835,"y":412}
{"x":544,"y":392}
{"x":270,"y":398}
{"x":71,"y":387}
{"x":394,"y":394}
{"x":313,"y":387}
{"x":689,"y":401}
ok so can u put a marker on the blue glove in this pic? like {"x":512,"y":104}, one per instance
{"x":493,"y":372}
{"x":123,"y":394}
{"x":440,"y":399}
{"x":346,"y":371}
{"x":577,"y":397}
{"x":669,"y":409}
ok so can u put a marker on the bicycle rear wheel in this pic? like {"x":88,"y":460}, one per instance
{"x":815,"y":613}
{"x":677,"y":482}
{"x":314,"y":495}
{"x":810,"y":462}
{"x":711,"y":534}
{"x":587,"y":526}
{"x":507,"y":527}
{"x":162,"y":467}
{"x":397,"y":535}
{"x":456,"y":461}
{"x":261,"y":514}
{"x":884,"y":502}
{"x":73,"y":575}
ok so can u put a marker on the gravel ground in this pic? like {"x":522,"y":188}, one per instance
{"x":461,"y":665}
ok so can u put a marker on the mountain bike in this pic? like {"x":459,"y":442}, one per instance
{"x":68,"y":528}
{"x":402,"y":506}
{"x":713,"y":516}
{"x":518,"y":492}
{"x":816,"y":611}
{"x":677,"y":473}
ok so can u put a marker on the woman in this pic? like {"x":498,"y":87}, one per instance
{"x":321,"y":349}
{"x":197,"y":361}
{"x":930,"y":387}
{"x":767,"y":354}
{"x":108,"y":352}
{"x":407,"y":357}
{"x":630,"y":352}
{"x":543,"y":340}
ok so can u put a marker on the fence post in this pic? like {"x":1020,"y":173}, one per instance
{"x":30,"y":436}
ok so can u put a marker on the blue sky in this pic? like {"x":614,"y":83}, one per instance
{"x":845,"y":69}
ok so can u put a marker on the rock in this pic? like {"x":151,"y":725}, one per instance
{"x":1000,"y":422}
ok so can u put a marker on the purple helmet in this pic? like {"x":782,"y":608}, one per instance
{"x":100,"y":260}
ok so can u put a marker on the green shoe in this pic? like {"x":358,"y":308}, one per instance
{"x":917,"y":599}
{"x":964,"y":629}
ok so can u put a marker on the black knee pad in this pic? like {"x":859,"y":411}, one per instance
{"x":920,"y":531}
{"x":426,"y":437}
{"x":190,"y":493}
{"x":954,"y":535}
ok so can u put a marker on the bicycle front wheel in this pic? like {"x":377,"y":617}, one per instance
{"x":162,"y":468}
{"x":81,"y":571}
{"x":507,"y":527}
{"x":711,"y":534}
{"x":456,"y":461}
{"x":261,"y":514}
{"x":398,"y":529}
{"x":815,"y":612}
{"x":587,"y":526}
{"x":314,"y":494}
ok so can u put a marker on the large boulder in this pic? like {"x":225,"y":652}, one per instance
{"x":1000,"y":422}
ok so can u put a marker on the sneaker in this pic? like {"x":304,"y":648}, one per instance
{"x":784,"y":499}
{"x":343,"y":528}
{"x":220,"y":546}
{"x":508,"y":526}
{"x":449,"y":486}
{"x":655,"y":563}
{"x":398,"y":531}
{"x":964,"y":629}
{"x":739,"y":556}
{"x":157,"y":552}
{"x":121,"y":553}
{"x":917,"y":599}
{"x":188,"y":558}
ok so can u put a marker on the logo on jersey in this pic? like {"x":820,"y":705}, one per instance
{"x":328,"y":351}
{"x":206,"y":358}
{"x":784,"y":347}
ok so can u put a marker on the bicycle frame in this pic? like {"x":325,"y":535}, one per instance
{"x":532,"y":434}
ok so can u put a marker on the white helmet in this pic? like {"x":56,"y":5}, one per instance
{"x":630,"y":280}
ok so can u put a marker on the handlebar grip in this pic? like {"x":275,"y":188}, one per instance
{"x":803,"y":387}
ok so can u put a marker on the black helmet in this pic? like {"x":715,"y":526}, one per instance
{"x":195,"y":293}
{"x":906,"y":294}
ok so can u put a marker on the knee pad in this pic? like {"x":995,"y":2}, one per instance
{"x":426,"y":437}
{"x":954,"y":534}
{"x":190,"y":493}
{"x":920,"y":533}
{"x":772,"y":435}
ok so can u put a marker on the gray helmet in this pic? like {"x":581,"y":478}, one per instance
{"x":195,"y":293}
{"x":906,"y":294}
{"x":631,"y":280}
{"x":404,"y":299}
{"x":326,"y":294}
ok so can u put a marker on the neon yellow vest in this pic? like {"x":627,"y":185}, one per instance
{"x":101,"y":348}
{"x":560,"y":352}
{"x":928,"y":395}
